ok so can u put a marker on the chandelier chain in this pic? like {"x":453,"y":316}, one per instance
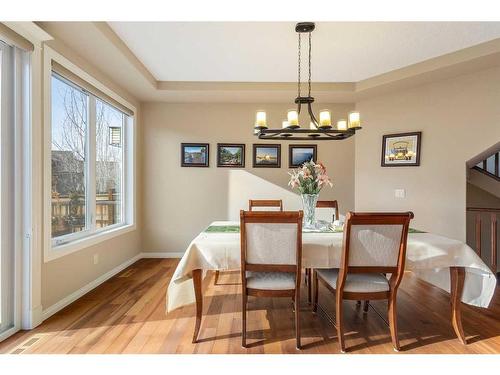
{"x":309,"y":94}
{"x":298,"y":85}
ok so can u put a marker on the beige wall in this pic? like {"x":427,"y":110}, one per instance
{"x":484,"y":182}
{"x":65,"y":275}
{"x":459,"y":118}
{"x":180,"y":202}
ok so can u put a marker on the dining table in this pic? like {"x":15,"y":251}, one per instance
{"x":446,"y":263}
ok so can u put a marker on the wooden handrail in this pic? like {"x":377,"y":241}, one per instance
{"x":494,"y":212}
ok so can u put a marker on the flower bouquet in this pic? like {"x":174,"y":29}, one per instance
{"x":309,"y":180}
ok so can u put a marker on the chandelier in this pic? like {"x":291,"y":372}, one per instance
{"x":320,"y":130}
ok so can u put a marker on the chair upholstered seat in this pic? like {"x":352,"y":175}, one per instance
{"x":356,"y":282}
{"x":270,"y":280}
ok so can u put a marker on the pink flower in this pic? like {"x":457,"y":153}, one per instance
{"x":324,"y":180}
{"x":309,"y":172}
{"x":294,"y":180}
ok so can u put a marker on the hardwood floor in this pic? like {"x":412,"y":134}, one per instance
{"x":126,"y":314}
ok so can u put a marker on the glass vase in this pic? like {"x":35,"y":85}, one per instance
{"x":309,"y":202}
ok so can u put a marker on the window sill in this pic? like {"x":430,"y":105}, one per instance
{"x":54,"y":252}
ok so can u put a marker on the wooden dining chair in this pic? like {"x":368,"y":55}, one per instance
{"x":278,"y":203}
{"x":256,"y":203}
{"x":320,"y":204}
{"x":374,"y":245}
{"x":271,"y":255}
{"x":330,"y":204}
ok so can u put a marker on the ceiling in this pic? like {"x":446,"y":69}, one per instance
{"x":267,"y":51}
{"x":216,"y":62}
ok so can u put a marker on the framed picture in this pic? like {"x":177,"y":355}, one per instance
{"x":231,"y":155}
{"x":194,"y":154}
{"x":299,"y":154}
{"x":266,"y":156}
{"x":401,"y":150}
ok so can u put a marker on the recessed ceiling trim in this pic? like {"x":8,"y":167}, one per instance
{"x":481,"y":56}
{"x":109,"y":33}
{"x":251,"y":86}
{"x":435,"y":64}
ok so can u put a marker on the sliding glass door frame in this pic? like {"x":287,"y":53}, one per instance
{"x":13,"y":110}
{"x":7,"y":293}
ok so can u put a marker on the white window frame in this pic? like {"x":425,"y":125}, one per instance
{"x":78,"y":241}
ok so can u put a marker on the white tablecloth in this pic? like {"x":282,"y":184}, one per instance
{"x":428,"y":255}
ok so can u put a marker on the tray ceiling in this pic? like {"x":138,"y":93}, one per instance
{"x":267,"y":51}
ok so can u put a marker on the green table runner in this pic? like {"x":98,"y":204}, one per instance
{"x":223,"y":229}
{"x":236,"y":229}
{"x":413,"y":230}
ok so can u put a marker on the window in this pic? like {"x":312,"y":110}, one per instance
{"x":88,"y":162}
{"x":490,"y":164}
{"x":70,"y":209}
{"x":109,"y":164}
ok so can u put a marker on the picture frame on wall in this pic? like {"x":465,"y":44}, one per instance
{"x":266,"y":155}
{"x":401,"y":149}
{"x":231,"y":155}
{"x":195,"y":154}
{"x":299,"y":154}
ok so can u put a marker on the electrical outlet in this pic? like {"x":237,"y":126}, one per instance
{"x":96,"y":258}
{"x":400,"y":193}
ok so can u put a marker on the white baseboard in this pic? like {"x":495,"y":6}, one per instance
{"x":33,"y":318}
{"x":162,"y":255}
{"x":48,"y":312}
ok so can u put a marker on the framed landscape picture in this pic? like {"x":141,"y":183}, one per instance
{"x":401,"y":150}
{"x":266,"y":156}
{"x":231,"y":155}
{"x":194,"y":154}
{"x":299,"y":154}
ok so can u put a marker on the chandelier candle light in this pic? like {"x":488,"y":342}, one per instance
{"x":322,"y":129}
{"x":309,"y":180}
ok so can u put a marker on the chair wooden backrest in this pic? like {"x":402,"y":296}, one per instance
{"x":375,"y":243}
{"x":271,"y":242}
{"x":329,"y":204}
{"x":265,"y":203}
